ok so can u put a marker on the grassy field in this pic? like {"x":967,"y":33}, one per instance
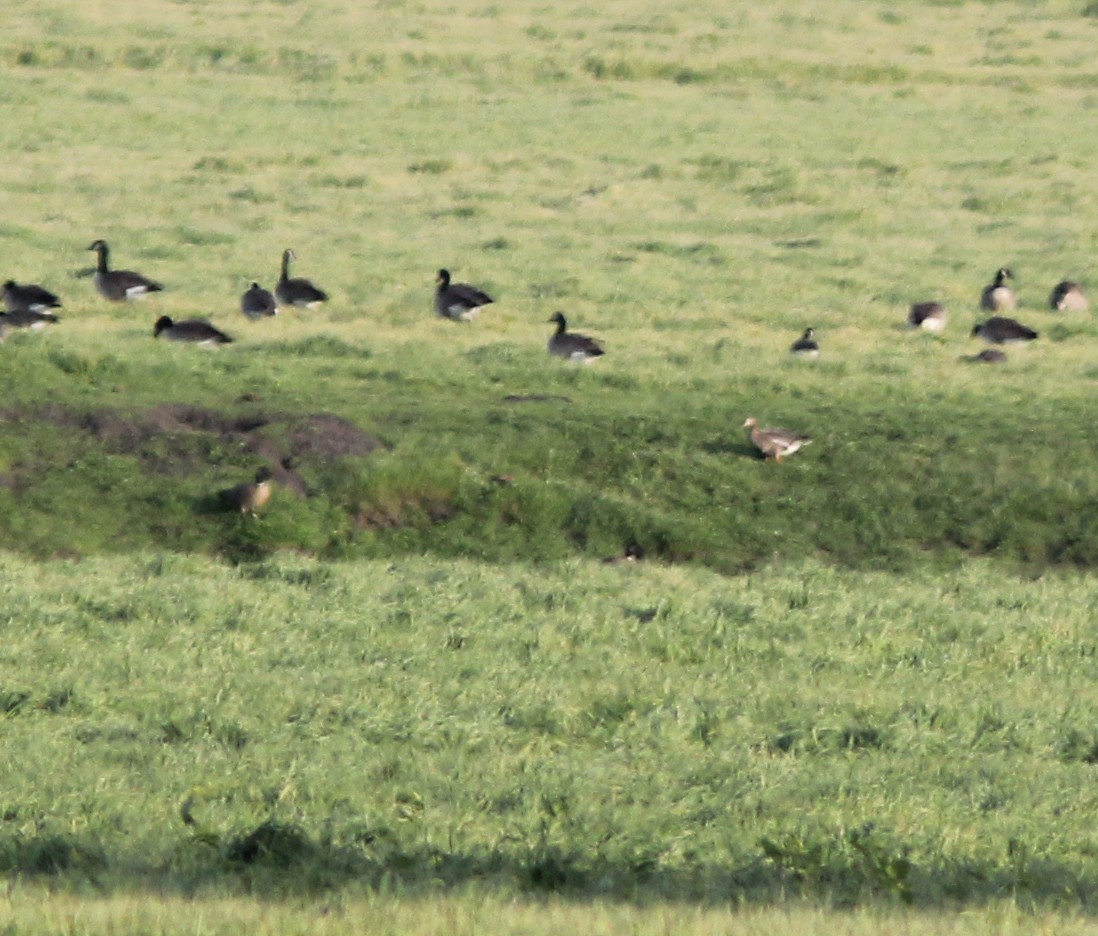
{"x":858,"y":679}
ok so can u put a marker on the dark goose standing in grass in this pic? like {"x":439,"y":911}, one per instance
{"x":258,"y":303}
{"x":195,"y":331}
{"x":997,"y":295}
{"x":251,"y":496}
{"x":806,"y":346}
{"x":294,"y":290}
{"x":119,"y":285}
{"x":1068,"y":296}
{"x":774,"y":443}
{"x":571,"y":346}
{"x":28,"y":298}
{"x":929,"y":316}
{"x":459,"y":302}
{"x":1001,"y":330}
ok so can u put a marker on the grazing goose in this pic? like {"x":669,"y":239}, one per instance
{"x":251,"y":496}
{"x":258,"y":302}
{"x":459,"y":302}
{"x":929,"y":316}
{"x":806,"y":346}
{"x":294,"y":290}
{"x":29,"y":298}
{"x":26,"y":318}
{"x":774,"y":443}
{"x":1068,"y":296}
{"x":119,"y":285}
{"x":193,"y":330}
{"x":997,"y":296}
{"x":571,"y":346}
{"x":1000,"y":330}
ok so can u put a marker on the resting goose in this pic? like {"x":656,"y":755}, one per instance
{"x":28,"y":298}
{"x":1000,"y":330}
{"x":459,"y":302}
{"x":1068,"y":296}
{"x":192,"y":330}
{"x":119,"y":285}
{"x":806,"y":346}
{"x":997,"y":296}
{"x":296,"y":291}
{"x":988,"y":356}
{"x":258,"y":302}
{"x":251,"y":496}
{"x":774,"y":443}
{"x":571,"y":346}
{"x":929,"y":316}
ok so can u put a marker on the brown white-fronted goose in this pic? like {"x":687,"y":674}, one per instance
{"x":929,"y":316}
{"x":571,"y":346}
{"x":458,"y":301}
{"x":195,"y":331}
{"x":258,"y":303}
{"x":1068,"y":296}
{"x":28,"y":298}
{"x":806,"y":346}
{"x":119,"y":285}
{"x":774,"y":443}
{"x":296,"y":291}
{"x":251,"y":496}
{"x":997,"y":296}
{"x":1001,"y":330}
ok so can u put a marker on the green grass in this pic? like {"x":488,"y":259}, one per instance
{"x":856,"y":679}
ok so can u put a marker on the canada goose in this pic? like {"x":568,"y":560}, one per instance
{"x":258,"y":302}
{"x":1068,"y":296}
{"x":571,"y":346}
{"x":929,"y":316}
{"x":119,"y":285}
{"x":1000,"y":330}
{"x":193,"y":330}
{"x":29,"y":298}
{"x":294,"y":290}
{"x":458,"y":301}
{"x":806,"y":346}
{"x":25,"y":318}
{"x":251,"y":496}
{"x":997,"y":296}
{"x":774,"y":443}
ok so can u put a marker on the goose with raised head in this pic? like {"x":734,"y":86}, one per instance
{"x":119,"y":285}
{"x":1001,"y":330}
{"x":251,"y":496}
{"x":929,"y":316}
{"x":1068,"y":296}
{"x":459,"y":302}
{"x":806,"y":346}
{"x":294,"y":290}
{"x":258,"y":303}
{"x":997,"y":295}
{"x":195,"y":331}
{"x":775,"y":443}
{"x":28,"y":298}
{"x":572,"y":346}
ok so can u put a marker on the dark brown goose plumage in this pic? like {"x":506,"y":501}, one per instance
{"x":459,"y":302}
{"x":119,"y":285}
{"x":296,"y":291}
{"x":571,"y":346}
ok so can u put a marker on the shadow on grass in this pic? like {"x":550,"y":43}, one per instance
{"x":276,"y":860}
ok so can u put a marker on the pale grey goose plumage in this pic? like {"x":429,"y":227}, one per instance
{"x":119,"y":285}
{"x":294,"y":290}
{"x":774,"y":442}
{"x":929,"y":316}
{"x":258,"y":303}
{"x":29,"y":297}
{"x":459,"y":302}
{"x":195,"y":331}
{"x":572,"y":346}
{"x":997,"y":295}
{"x":1068,"y":296}
{"x":1001,"y":330}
